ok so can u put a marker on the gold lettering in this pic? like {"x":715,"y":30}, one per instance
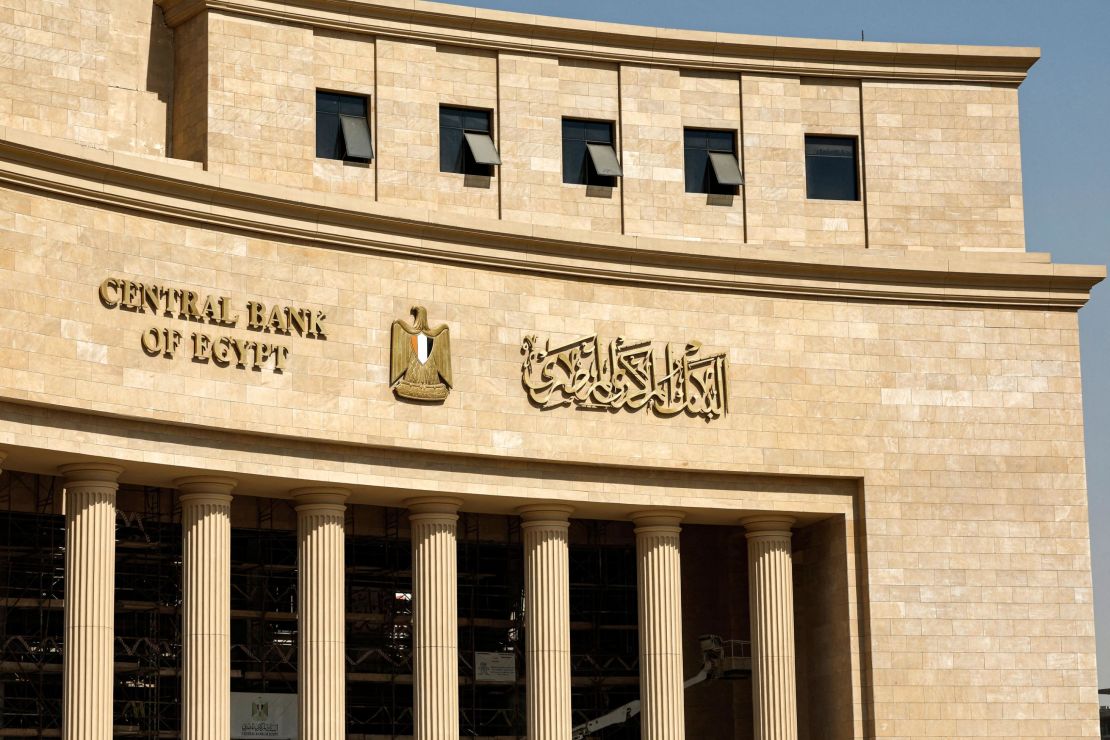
{"x":316,"y":328}
{"x":277,"y":320}
{"x":221,"y":352}
{"x":256,"y":315}
{"x":242,"y":347}
{"x":261,"y":354}
{"x":298,"y":319}
{"x":211,"y":309}
{"x":189,"y":303}
{"x":151,"y":298}
{"x":226,"y":317}
{"x":152,"y":341}
{"x":202,"y":347}
{"x":281,"y":354}
{"x":132,"y":296}
{"x":110,"y":293}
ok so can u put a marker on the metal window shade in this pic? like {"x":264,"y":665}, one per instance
{"x":604,"y":159}
{"x":725,"y":168}
{"x":482,"y":148}
{"x":356,"y":137}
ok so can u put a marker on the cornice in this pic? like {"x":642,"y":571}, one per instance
{"x":611,"y":42}
{"x":168,"y":190}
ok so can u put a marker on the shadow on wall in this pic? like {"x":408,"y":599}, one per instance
{"x":159,"y":68}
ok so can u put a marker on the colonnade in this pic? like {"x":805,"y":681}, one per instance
{"x":206,"y":533}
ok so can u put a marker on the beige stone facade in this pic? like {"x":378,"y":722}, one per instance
{"x":903,"y":388}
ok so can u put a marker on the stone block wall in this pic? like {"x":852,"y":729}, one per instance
{"x":943,"y":166}
{"x":940,"y":165}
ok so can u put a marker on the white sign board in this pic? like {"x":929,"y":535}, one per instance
{"x":271,"y":716}
{"x":495,"y":668}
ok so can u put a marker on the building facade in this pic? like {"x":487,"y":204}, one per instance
{"x":423,"y":371}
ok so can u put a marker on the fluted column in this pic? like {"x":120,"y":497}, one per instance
{"x":90,"y":578}
{"x":435,"y":630}
{"x":321,"y":615}
{"x":659,"y":585}
{"x":206,"y":605}
{"x":547,"y":619}
{"x":771,"y":588}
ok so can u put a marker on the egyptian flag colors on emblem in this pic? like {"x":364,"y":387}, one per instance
{"x":422,"y":346}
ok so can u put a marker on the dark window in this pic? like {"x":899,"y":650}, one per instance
{"x":711,"y":165}
{"x":342,"y":130}
{"x":465,"y":144}
{"x":588,"y":154}
{"x":831,"y":168}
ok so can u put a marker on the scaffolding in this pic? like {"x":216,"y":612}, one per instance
{"x":146,"y":694}
{"x":147,"y":644}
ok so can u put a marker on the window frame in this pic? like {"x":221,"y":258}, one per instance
{"x":856,"y":177}
{"x":340,"y":145}
{"x":709,"y":182}
{"x":587,"y":172}
{"x":467,"y":165}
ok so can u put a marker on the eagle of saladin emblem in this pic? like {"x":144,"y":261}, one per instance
{"x":420,"y":359}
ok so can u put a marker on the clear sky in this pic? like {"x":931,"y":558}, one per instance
{"x":1065,"y":136}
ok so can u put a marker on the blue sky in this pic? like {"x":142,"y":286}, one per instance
{"x":1065,"y":135}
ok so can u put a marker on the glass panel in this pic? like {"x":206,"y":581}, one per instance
{"x":450,"y":149}
{"x":726,"y":169}
{"x":356,"y":137}
{"x":482,"y":148}
{"x":604,"y":159}
{"x":831,"y":168}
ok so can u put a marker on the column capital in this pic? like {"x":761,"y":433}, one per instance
{"x":433,"y":507}
{"x":769,"y":525}
{"x":546,"y":514}
{"x":91,"y":473}
{"x":319,"y":498}
{"x":205,"y":489}
{"x":657,"y":520}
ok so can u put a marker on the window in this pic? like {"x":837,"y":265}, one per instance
{"x":831,"y":168}
{"x":465,"y":145}
{"x":711,"y":165}
{"x":342,"y":131}
{"x":588,"y":154}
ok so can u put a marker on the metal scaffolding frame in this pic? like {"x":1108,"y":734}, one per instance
{"x":147,"y":687}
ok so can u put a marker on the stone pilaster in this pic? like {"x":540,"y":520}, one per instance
{"x":90,"y":579}
{"x":659,"y":584}
{"x":435,"y":631}
{"x":547,"y":619}
{"x":206,"y":605}
{"x":321,"y":614}
{"x":771,"y":587}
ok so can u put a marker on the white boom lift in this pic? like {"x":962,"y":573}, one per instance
{"x":721,"y":659}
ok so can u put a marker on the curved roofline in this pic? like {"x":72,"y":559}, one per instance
{"x":169,"y":188}
{"x":479,"y":27}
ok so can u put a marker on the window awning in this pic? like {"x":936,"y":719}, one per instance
{"x":604,"y":159}
{"x":356,"y":137}
{"x":725,"y":168}
{"x":482,"y":148}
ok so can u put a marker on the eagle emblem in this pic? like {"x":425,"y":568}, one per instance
{"x":420,"y":359}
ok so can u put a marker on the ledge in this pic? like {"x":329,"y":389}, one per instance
{"x":168,"y":190}
{"x":475,"y":27}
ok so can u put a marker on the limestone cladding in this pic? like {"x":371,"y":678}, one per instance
{"x":936,"y":423}
{"x":964,"y":423}
{"x":234,"y":93}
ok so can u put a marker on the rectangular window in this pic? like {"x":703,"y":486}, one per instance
{"x":831,"y":169}
{"x":588,"y":154}
{"x":711,"y":164}
{"x":342,"y":128}
{"x":465,"y":144}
